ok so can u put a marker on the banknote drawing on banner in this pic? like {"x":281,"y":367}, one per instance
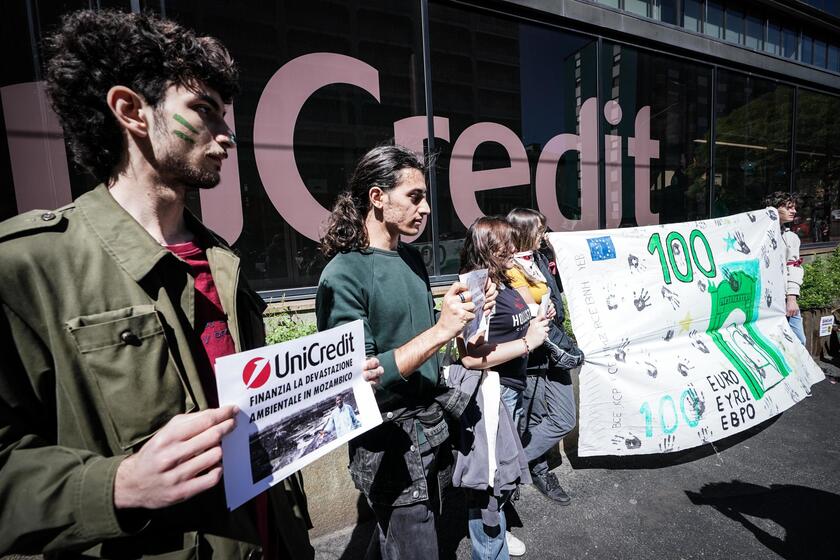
{"x":684,"y":330}
{"x":298,"y":400}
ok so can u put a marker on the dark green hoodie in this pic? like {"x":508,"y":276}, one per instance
{"x":389,"y":291}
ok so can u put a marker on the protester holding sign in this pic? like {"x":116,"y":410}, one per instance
{"x":684,"y":330}
{"x":502,"y":351}
{"x":513,"y":332}
{"x":531,"y":276}
{"x":375,"y":277}
{"x":785,"y":205}
{"x":549,"y":400}
{"x":114,"y":308}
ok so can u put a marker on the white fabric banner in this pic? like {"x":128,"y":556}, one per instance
{"x":298,"y":401}
{"x":684,"y":331}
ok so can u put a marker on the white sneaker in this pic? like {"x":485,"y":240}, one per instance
{"x":515,"y":546}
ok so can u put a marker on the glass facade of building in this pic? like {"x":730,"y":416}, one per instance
{"x":749,"y":24}
{"x":593,"y":130}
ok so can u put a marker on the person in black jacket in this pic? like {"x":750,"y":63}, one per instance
{"x":549,"y":409}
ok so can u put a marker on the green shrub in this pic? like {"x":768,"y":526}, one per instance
{"x":567,"y":320}
{"x":821,"y":285}
{"x":286,"y":326}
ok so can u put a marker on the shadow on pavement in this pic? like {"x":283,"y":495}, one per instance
{"x":362,"y":532}
{"x":658,"y":461}
{"x":807,"y":515}
{"x":452,"y":523}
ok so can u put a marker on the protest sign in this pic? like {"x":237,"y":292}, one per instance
{"x":825,"y":325}
{"x":475,"y":281}
{"x":684,"y":331}
{"x":298,"y":401}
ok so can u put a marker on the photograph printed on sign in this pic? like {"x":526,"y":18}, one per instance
{"x":298,"y":401}
{"x":294,"y":437}
{"x":684,"y":330}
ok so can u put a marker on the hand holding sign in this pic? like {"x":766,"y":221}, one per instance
{"x":537,"y":332}
{"x":298,"y":400}
{"x":490,"y":293}
{"x":456,"y":310}
{"x":372,"y":371}
{"x":181,"y":460}
{"x":476,"y":282}
{"x":546,"y":307}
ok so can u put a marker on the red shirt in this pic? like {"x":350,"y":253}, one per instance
{"x":212,"y":327}
{"x":210,"y":319}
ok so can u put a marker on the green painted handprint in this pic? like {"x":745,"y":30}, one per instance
{"x":753,"y":356}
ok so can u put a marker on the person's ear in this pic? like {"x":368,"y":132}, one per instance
{"x":376,"y":196}
{"x":127,"y":107}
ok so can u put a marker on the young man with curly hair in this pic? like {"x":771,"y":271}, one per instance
{"x":114,"y":308}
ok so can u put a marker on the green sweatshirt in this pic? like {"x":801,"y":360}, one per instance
{"x":389,"y":291}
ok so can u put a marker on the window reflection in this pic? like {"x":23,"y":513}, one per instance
{"x":713,"y":25}
{"x":641,"y":7}
{"x":734,"y":25}
{"x":679,"y":96}
{"x":789,"y":43}
{"x":806,"y":49}
{"x":752,"y":145}
{"x":818,"y":166}
{"x":819,"y":53}
{"x":336,"y":124}
{"x":755,"y":32}
{"x":668,"y":11}
{"x":834,"y":58}
{"x":692,"y":15}
{"x":506,"y":88}
{"x":773,"y":43}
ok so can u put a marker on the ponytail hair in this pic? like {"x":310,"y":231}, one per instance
{"x":381,"y":167}
{"x":345,"y":227}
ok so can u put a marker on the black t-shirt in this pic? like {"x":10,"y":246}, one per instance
{"x":510,"y":321}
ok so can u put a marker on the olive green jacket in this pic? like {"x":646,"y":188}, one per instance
{"x":96,"y":339}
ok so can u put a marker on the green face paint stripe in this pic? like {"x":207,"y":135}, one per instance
{"x":183,"y":121}
{"x":183,"y":137}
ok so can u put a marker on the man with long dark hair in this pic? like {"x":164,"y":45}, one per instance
{"x":375,"y":277}
{"x":114,"y":308}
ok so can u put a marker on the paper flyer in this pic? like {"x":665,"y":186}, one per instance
{"x":298,"y":401}
{"x":476,"y":280}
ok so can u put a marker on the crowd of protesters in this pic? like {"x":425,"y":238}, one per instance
{"x":114,"y":308}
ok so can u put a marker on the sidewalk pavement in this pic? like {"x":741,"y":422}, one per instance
{"x":771,"y":492}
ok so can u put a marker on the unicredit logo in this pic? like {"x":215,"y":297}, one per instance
{"x":256,"y":373}
{"x":275,"y":119}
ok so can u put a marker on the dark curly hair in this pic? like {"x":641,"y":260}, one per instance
{"x":381,"y":167}
{"x":488,"y":244}
{"x":781,"y":198}
{"x":92,"y":51}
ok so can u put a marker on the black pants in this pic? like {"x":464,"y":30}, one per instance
{"x":408,"y":532}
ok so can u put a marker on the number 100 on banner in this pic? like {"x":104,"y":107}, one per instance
{"x":684,"y":330}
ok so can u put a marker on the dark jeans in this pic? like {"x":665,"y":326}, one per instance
{"x":404,"y":532}
{"x":408,"y":532}
{"x":549,"y":413}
